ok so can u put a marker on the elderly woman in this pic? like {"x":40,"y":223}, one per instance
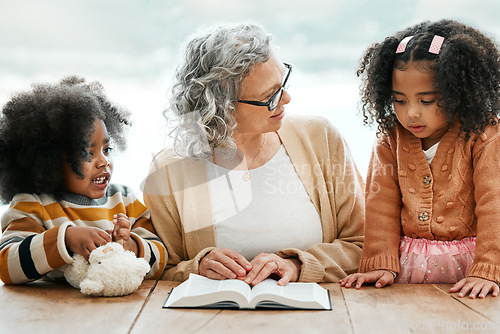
{"x":247,"y":191}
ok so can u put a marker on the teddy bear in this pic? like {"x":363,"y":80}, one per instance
{"x":110,"y":271}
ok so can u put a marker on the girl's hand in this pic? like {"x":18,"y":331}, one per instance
{"x":224,"y":263}
{"x":83,"y":240}
{"x":266,"y":264}
{"x":475,"y":285}
{"x":121,"y":233}
{"x":381,"y":277}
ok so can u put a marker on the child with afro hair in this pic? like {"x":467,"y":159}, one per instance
{"x":55,"y":170}
{"x":433,"y":184}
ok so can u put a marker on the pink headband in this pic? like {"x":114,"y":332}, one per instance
{"x":435,"y":47}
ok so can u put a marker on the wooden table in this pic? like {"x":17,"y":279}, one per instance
{"x":50,"y":307}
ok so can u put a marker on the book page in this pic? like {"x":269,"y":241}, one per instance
{"x":294,"y":295}
{"x":268,"y":286}
{"x":201,"y":285}
{"x":201,"y":291}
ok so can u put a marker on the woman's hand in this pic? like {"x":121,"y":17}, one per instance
{"x":475,"y":286}
{"x":83,"y":240}
{"x":224,"y":263}
{"x":381,"y":277}
{"x":266,"y":264}
{"x":121,"y":233}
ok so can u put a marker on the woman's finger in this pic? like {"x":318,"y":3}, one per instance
{"x":233,"y":261}
{"x":286,"y":277}
{"x":258,"y":264}
{"x":222,"y":269}
{"x":268,"y":269}
{"x":215,"y":275}
{"x":225,"y":262}
{"x":242,"y":262}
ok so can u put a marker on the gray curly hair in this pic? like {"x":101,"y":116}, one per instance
{"x":207,"y":86}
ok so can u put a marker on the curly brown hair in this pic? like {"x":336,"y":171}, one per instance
{"x":466,"y":73}
{"x":50,"y":124}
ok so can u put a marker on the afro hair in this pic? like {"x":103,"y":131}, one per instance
{"x":42,"y":128}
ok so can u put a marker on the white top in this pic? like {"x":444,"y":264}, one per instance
{"x":269,"y":212}
{"x":431,"y":153}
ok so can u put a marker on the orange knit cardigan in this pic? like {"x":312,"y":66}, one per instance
{"x":456,"y":196}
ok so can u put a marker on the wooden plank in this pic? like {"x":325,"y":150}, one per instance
{"x":410,"y":308}
{"x":155,"y":319}
{"x":56,"y":307}
{"x":489,"y":307}
{"x":263,"y":322}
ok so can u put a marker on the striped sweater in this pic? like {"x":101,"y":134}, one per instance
{"x":34,"y":227}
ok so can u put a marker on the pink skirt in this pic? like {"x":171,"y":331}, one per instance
{"x":434,"y":261}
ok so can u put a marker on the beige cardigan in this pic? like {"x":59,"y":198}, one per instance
{"x":177,"y":194}
{"x":456,"y":196}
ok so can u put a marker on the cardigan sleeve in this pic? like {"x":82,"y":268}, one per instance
{"x":338,"y":195}
{"x":383,"y":210}
{"x":486,"y":165}
{"x":158,"y":194}
{"x":165,"y":217}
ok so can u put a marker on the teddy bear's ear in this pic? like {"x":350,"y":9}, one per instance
{"x":107,"y":249}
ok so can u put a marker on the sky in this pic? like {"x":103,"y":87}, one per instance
{"x":132,"y":47}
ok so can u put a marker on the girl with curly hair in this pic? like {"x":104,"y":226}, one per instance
{"x":433,"y":191}
{"x":55,"y":170}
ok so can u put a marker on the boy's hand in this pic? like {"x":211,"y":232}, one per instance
{"x":121,"y":233}
{"x":477,"y":286}
{"x":83,"y":240}
{"x":380,"y":277}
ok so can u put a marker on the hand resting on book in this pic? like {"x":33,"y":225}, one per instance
{"x":267,"y":264}
{"x":227,"y":264}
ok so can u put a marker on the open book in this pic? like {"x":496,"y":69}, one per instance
{"x":201,"y":292}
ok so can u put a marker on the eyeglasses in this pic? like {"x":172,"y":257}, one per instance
{"x":273,"y":102}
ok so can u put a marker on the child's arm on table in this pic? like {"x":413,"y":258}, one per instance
{"x":380,"y":256}
{"x":483,"y":275}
